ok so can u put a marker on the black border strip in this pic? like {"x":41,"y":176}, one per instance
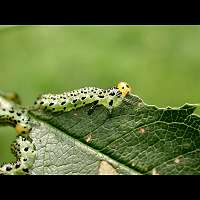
{"x":92,"y":18}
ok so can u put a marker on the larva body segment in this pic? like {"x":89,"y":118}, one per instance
{"x":77,"y":98}
{"x":25,"y":153}
{"x":19,"y":120}
{"x":13,"y":115}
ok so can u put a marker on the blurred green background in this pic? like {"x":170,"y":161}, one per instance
{"x":162,"y":63}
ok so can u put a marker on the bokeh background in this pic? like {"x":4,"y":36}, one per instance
{"x":162,"y":63}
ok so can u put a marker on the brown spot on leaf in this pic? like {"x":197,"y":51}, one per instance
{"x":178,"y":159}
{"x":140,"y":104}
{"x":88,"y":137}
{"x":142,"y":130}
{"x":106,"y":168}
{"x":154,"y":172}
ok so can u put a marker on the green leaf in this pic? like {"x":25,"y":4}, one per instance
{"x":135,"y":138}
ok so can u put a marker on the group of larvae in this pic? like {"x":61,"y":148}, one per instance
{"x":66,"y":101}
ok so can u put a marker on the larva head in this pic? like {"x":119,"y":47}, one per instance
{"x":124,"y":88}
{"x":21,"y":129}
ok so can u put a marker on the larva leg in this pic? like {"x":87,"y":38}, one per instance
{"x":92,"y":108}
{"x":14,"y":115}
{"x":130,"y":102}
{"x":25,"y":153}
{"x":109,"y":110}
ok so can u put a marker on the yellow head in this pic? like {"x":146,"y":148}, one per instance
{"x":124,"y":88}
{"x":20,"y":129}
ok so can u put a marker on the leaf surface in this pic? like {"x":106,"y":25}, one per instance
{"x":135,"y":138}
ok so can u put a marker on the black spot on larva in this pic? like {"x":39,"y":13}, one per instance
{"x":112,"y":94}
{"x":4,"y":109}
{"x":15,"y":121}
{"x":63,"y":102}
{"x":92,"y":90}
{"x":72,"y":94}
{"x":127,"y":86}
{"x":81,"y":91}
{"x":53,"y":108}
{"x":51,"y":104}
{"x":96,"y":102}
{"x":42,"y":102}
{"x":100,"y":96}
{"x":83,"y":98}
{"x":122,"y":87}
{"x":23,"y":132}
{"x":18,"y":121}
{"x":95,"y":92}
{"x":25,"y":170}
{"x":18,"y":114}
{"x":64,"y":98}
{"x":26,"y":149}
{"x":17,"y":165}
{"x":11,"y":111}
{"x":91,"y":96}
{"x":104,"y":91}
{"x":75,"y":105}
{"x":100,"y":92}
{"x":85,"y":92}
{"x":64,"y":108}
{"x":24,"y":159}
{"x":74,"y":101}
{"x":84,"y":102}
{"x":35,"y":102}
{"x":8,"y":168}
{"x":45,"y":107}
{"x":111,"y":102}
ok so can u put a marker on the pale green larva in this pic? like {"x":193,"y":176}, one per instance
{"x":14,"y":115}
{"x":25,"y":153}
{"x":71,"y":100}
